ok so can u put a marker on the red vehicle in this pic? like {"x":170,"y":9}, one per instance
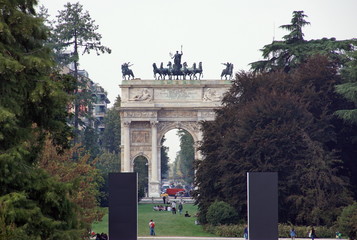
{"x":173,"y":191}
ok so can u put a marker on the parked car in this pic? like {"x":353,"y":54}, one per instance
{"x":174,"y":191}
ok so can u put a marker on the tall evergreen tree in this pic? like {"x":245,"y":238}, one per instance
{"x":294,"y":50}
{"x":297,"y":23}
{"x":32,"y":105}
{"x":75,"y":31}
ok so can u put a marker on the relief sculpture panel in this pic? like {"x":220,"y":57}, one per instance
{"x":141,"y":94}
{"x":140,"y":136}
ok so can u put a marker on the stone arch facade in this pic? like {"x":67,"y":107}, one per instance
{"x":150,"y":108}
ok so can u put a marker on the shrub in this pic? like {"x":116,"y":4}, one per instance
{"x":284,"y":231}
{"x":220,"y":212}
{"x":347,"y":221}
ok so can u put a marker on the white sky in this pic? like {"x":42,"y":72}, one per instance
{"x":212,"y":31}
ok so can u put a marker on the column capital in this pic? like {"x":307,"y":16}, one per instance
{"x":154,"y":123}
{"x":127,"y":123}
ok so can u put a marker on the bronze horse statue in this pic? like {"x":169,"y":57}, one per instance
{"x":126,"y":71}
{"x":188,"y":71}
{"x":162,"y":72}
{"x":156,"y":71}
{"x":228,"y":71}
{"x":198,"y":71}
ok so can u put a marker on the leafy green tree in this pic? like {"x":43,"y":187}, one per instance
{"x":32,"y":105}
{"x":111,"y":138}
{"x":164,"y":159}
{"x":347,"y":221}
{"x":294,"y":50}
{"x":141,"y":167}
{"x":107,"y":162}
{"x":90,"y":141}
{"x":109,"y":159}
{"x":276,"y":122}
{"x":81,"y":174}
{"x":186,"y":156}
{"x":75,"y":31}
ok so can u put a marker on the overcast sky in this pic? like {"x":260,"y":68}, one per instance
{"x":211,"y":31}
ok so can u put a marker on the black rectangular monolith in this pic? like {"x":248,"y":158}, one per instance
{"x":123,"y":205}
{"x":262,"y":195}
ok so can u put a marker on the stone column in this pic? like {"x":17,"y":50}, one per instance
{"x":159,"y":162}
{"x":154,"y":183}
{"x":126,"y":160}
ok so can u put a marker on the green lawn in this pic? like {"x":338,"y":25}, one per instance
{"x":167,"y":224}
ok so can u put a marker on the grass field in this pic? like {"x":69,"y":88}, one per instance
{"x":167,"y":224}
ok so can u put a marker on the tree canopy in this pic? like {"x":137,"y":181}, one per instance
{"x":277,"y":122}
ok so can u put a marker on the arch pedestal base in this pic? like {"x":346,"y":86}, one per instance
{"x":154,"y":189}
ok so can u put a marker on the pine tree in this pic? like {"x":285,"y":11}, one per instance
{"x":75,"y":31}
{"x":294,"y":50}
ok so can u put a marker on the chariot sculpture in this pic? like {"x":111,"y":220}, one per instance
{"x":177,"y":70}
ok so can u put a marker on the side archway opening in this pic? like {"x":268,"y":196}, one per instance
{"x":141,"y":167}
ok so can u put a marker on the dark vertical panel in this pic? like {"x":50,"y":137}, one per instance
{"x":263,"y":205}
{"x":123,"y":205}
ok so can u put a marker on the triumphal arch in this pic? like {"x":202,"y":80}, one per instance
{"x":150,"y":108}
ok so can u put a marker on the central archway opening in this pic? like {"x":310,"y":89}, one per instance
{"x":180,"y":148}
{"x":141,"y":167}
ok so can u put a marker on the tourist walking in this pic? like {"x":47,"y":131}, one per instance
{"x":312,"y":233}
{"x":245,"y":233}
{"x":152,"y":227}
{"x":180,"y":207}
{"x":292,"y":234}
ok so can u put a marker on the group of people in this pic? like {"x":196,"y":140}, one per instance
{"x":171,"y":208}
